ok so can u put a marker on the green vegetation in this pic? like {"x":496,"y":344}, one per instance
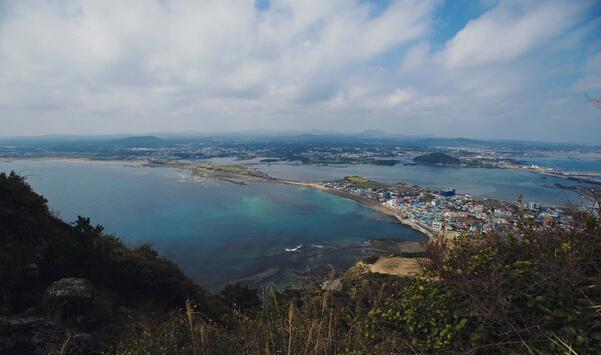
{"x":437,"y":158}
{"x":357,"y":179}
{"x":427,"y":197}
{"x":38,"y":249}
{"x":364,"y":183}
{"x":530,"y":291}
{"x":533,"y":291}
{"x":232,"y":168}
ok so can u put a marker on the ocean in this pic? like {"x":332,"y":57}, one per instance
{"x":218,"y":232}
{"x":578,"y":164}
{"x":501,"y":184}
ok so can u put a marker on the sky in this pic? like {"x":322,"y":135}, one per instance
{"x":479,"y":69}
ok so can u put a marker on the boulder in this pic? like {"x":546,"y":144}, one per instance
{"x":72,"y":301}
{"x":70,"y":289}
{"x":39,"y":336}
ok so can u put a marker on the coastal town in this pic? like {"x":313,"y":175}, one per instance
{"x":446,"y":212}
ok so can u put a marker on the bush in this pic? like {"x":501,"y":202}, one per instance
{"x":530,"y":289}
{"x":38,"y":249}
{"x":534,"y":291}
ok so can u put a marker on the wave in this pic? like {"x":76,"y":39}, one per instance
{"x":298,"y":247}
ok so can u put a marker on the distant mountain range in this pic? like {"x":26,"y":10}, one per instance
{"x":140,"y":142}
{"x":369,"y":137}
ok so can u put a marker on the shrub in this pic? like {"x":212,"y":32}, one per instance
{"x":533,"y":291}
{"x":38,"y":249}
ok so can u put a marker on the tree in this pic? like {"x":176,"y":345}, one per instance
{"x":83,"y":225}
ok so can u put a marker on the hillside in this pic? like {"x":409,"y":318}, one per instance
{"x":72,"y":289}
{"x":39,"y":249}
{"x":436,"y":158}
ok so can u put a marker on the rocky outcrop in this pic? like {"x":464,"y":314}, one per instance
{"x":70,"y":290}
{"x":72,"y":301}
{"x":39,"y":336}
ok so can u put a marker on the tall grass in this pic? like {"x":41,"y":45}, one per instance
{"x":283,"y":324}
{"x":532,"y":291}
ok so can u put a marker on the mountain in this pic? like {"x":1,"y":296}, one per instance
{"x":373,"y":133}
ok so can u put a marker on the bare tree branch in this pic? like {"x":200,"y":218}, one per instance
{"x":594,"y":101}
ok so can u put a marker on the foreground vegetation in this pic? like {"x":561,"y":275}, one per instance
{"x":531,"y":291}
{"x":528,"y":292}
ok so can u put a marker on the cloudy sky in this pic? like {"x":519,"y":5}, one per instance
{"x":484,"y":69}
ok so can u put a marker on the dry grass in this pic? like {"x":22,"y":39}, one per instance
{"x":397,"y":266}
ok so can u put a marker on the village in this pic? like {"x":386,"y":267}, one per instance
{"x":446,"y":212}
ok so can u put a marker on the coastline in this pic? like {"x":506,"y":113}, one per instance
{"x":78,"y":160}
{"x":583,"y":177}
{"x":253,"y":176}
{"x":376,"y":206}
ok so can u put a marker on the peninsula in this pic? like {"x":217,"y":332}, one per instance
{"x":425,"y":210}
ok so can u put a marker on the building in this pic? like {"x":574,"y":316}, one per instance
{"x":533,"y":206}
{"x":447,"y":192}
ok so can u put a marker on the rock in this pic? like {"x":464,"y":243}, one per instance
{"x":71,"y":301}
{"x":29,"y":336}
{"x":332,"y":285}
{"x":39,"y":336}
{"x":69,"y":289}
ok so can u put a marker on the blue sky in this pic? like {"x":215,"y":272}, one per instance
{"x":483,"y":69}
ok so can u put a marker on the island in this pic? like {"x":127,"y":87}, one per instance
{"x":437,"y":158}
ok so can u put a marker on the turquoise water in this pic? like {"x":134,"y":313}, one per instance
{"x":217,"y":232}
{"x":502,"y":184}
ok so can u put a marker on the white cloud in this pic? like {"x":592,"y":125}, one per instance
{"x":508,"y":31}
{"x":86,"y":66}
{"x":213,"y":47}
{"x":397,"y":97}
{"x":417,"y":57}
